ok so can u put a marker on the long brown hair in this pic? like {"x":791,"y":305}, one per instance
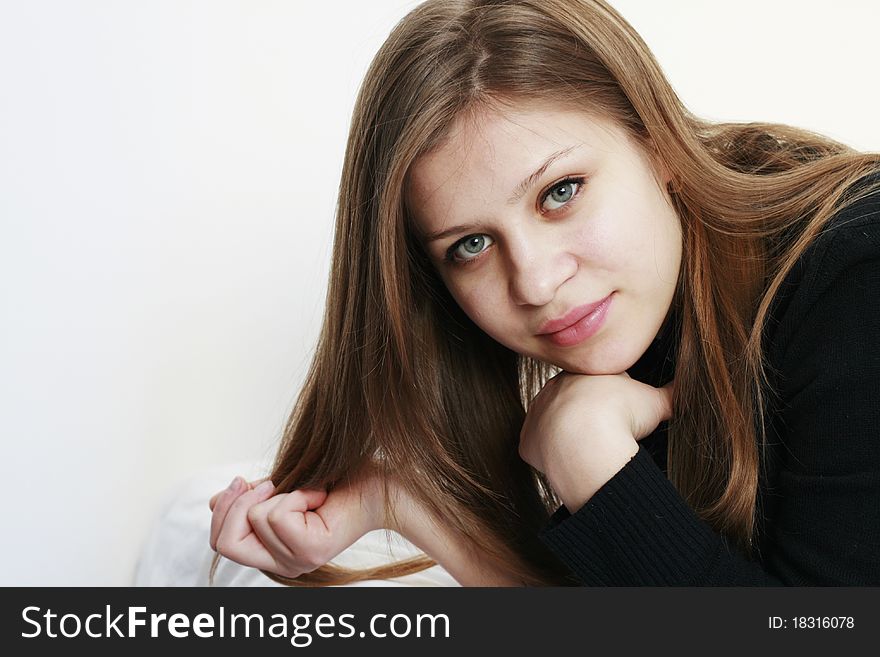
{"x":402,"y":373}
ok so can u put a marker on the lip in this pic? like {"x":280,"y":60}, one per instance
{"x":577,"y":324}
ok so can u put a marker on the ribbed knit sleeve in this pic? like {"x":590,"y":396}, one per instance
{"x":637,"y":515}
{"x":638,"y":531}
{"x":823,"y":489}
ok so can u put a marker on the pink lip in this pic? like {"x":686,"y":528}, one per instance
{"x":578,"y":324}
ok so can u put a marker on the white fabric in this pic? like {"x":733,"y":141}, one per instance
{"x":177,"y":552}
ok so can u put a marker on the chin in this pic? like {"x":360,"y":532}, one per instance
{"x":592,"y":371}
{"x":609,"y":362}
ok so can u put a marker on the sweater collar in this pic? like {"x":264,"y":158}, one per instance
{"x":656,"y":366}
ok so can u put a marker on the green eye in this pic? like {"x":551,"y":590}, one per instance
{"x":474,"y":244}
{"x":561,"y":193}
{"x":468,"y":248}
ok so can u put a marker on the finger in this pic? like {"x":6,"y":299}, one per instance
{"x":339,"y":516}
{"x":258,"y":517}
{"x":221,"y":504}
{"x":302,"y":552}
{"x":305,"y":499}
{"x":216,"y":496}
{"x":235,"y":527}
{"x":657,"y":409}
{"x":665,"y":400}
{"x":238,"y":541}
{"x":252,"y":553}
{"x":651,"y":407}
{"x":288,"y":518}
{"x":250,"y":485}
{"x":309,"y":537}
{"x":234,"y":487}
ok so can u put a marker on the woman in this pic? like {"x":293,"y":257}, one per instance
{"x":524,"y":195}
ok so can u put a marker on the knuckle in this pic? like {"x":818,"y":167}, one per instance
{"x":299,"y":497}
{"x":313,"y":555}
{"x":314,"y":561}
{"x":293,"y":570}
{"x":275,"y":517}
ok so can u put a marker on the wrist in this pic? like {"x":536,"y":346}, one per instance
{"x":386,"y":505}
{"x":368,"y":490}
{"x":398,"y":515}
{"x":576,"y":481}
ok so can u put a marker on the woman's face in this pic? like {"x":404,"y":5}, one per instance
{"x":553,"y":232}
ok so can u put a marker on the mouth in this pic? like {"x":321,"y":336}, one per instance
{"x":578,"y":324}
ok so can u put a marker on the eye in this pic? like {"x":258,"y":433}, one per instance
{"x":468,"y":248}
{"x":561,"y":193}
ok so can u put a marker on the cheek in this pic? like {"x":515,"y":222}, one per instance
{"x":665,"y":243}
{"x":597,"y":241}
{"x":481,"y":303}
{"x":635,"y":235}
{"x":672,"y":242}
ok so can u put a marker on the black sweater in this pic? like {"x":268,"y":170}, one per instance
{"x":819,"y":490}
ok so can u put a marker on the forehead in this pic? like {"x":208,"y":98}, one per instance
{"x":482,"y":139}
{"x":490,"y":151}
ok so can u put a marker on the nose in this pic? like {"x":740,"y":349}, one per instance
{"x":538,"y":269}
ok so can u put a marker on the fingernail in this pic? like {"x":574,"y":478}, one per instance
{"x":235,"y":484}
{"x":265,"y":487}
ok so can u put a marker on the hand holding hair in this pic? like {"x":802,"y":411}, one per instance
{"x":292,"y":533}
{"x":580,"y":430}
{"x":236,"y":483}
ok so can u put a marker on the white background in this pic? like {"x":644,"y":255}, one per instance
{"x":167,"y":180}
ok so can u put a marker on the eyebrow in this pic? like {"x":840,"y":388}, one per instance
{"x":518,"y":193}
